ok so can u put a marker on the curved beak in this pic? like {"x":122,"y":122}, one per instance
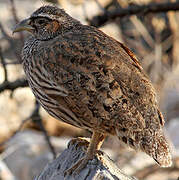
{"x":24,"y":25}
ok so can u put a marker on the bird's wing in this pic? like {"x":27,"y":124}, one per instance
{"x":105,"y":82}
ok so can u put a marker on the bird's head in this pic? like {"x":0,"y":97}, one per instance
{"x":47,"y":22}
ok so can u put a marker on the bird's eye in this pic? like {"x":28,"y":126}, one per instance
{"x":41,"y":21}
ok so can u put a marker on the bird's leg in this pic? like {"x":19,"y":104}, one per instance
{"x":95,"y":144}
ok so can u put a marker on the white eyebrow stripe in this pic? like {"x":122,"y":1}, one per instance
{"x":44,"y":15}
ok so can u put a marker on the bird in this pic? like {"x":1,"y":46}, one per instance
{"x":85,"y":78}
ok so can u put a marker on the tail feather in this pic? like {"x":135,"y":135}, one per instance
{"x":157,"y":147}
{"x":152,"y":143}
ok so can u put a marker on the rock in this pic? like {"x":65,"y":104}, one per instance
{"x":99,"y":168}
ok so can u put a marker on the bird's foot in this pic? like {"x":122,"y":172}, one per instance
{"x":79,"y":165}
{"x":91,"y":151}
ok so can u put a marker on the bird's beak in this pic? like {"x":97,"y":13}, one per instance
{"x":24,"y":25}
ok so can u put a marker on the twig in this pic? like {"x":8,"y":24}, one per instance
{"x":12,"y":63}
{"x":18,"y":130}
{"x":134,"y":9}
{"x":100,"y":6}
{"x":13,"y":9}
{"x":4,"y":33}
{"x":4,"y":66}
{"x":47,"y":138}
{"x":9,"y":39}
{"x":13,"y":85}
{"x":140,"y":27}
{"x":174,"y":28}
{"x":36,"y":118}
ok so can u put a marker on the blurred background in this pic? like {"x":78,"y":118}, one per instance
{"x":29,"y":137}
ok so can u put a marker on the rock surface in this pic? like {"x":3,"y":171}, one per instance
{"x":100,"y":168}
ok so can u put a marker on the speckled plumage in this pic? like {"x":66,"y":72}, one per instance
{"x":88,"y":79}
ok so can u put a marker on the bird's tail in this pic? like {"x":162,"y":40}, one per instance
{"x":157,"y":147}
{"x":152,"y":143}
